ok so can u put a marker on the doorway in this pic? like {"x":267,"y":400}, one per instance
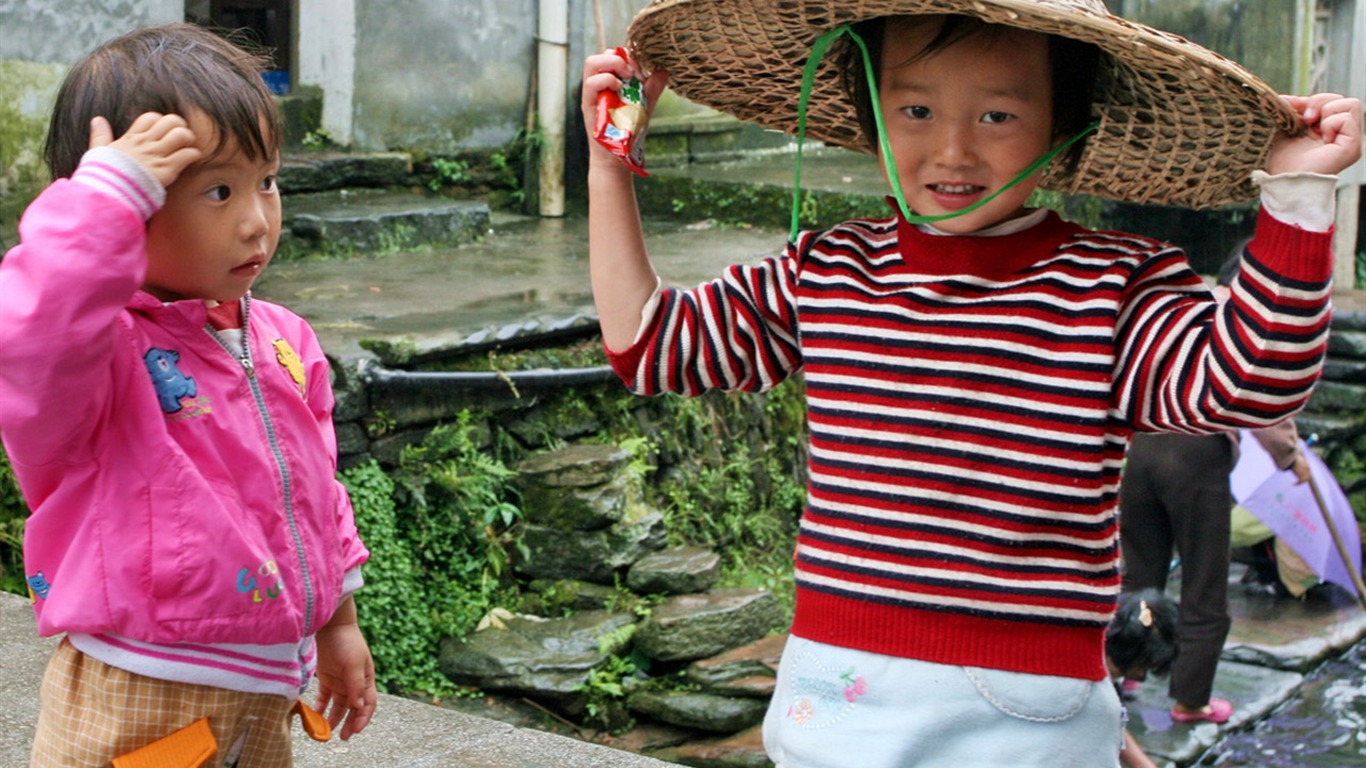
{"x":268,"y":23}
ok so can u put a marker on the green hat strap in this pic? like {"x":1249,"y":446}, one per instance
{"x":818,"y":50}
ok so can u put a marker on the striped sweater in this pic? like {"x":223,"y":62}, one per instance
{"x":970,"y":400}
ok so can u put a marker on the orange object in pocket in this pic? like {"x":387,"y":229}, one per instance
{"x":189,"y":747}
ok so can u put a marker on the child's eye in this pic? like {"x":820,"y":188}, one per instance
{"x":918,"y":112}
{"x":995,"y":118}
{"x":219,"y":193}
{"x":268,"y":184}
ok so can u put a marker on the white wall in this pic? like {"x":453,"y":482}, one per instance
{"x":326,"y":51}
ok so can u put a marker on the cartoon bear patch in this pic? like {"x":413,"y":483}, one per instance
{"x":171,"y":385}
{"x":38,"y":587}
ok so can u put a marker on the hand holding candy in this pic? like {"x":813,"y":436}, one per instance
{"x":619,"y":107}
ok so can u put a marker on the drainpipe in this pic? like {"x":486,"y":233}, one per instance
{"x":552,"y":65}
{"x":453,"y":382}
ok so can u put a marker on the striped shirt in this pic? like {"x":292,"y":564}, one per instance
{"x":970,"y":400}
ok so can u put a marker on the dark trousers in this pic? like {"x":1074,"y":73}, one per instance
{"x":1174,"y":494}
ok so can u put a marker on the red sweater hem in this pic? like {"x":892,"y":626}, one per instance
{"x":949,"y":638}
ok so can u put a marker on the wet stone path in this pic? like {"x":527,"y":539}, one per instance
{"x":1295,"y":674}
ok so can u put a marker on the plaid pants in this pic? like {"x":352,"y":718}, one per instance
{"x":92,"y":712}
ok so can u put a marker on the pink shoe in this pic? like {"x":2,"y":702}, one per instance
{"x":1131,"y":685}
{"x":1219,"y":711}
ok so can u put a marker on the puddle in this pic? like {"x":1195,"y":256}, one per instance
{"x":1323,"y":725}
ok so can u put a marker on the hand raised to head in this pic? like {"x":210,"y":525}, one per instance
{"x":164,"y":145}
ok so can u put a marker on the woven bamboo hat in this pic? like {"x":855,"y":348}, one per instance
{"x":1179,"y":124}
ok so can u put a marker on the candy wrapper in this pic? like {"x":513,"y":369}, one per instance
{"x":622,"y":118}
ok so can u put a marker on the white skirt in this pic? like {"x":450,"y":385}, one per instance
{"x":842,"y":708}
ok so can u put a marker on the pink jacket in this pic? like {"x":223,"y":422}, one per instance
{"x":175,"y":497}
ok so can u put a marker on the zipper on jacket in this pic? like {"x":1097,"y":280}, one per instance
{"x":243,"y":357}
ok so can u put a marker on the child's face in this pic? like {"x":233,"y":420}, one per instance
{"x":965,"y":120}
{"x":219,"y":227}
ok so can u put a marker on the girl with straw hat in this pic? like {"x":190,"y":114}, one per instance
{"x":974,"y":368}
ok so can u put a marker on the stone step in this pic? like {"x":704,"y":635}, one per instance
{"x":365,"y":222}
{"x":302,"y":171}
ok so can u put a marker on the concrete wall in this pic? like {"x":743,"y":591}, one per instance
{"x":326,"y":53}
{"x":61,"y":31}
{"x":40,"y":39}
{"x":444,"y":75}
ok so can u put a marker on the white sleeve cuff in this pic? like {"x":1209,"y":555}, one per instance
{"x":117,"y":175}
{"x":1306,"y":200}
{"x":648,"y":311}
{"x":352,"y":581}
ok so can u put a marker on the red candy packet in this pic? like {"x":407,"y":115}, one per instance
{"x":622,"y":119}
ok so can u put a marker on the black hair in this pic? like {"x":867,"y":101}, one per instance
{"x":1143,"y":632}
{"x":171,"y":69}
{"x":1073,"y":66}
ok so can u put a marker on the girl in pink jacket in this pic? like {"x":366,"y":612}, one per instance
{"x":172,"y":437}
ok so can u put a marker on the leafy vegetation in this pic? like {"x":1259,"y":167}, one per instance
{"x":440,"y":532}
{"x":13,"y":512}
{"x":318,"y":140}
{"x":448,"y":172}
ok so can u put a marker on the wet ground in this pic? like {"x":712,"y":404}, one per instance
{"x":525,"y":268}
{"x":1324,"y":724}
{"x":1295,"y":671}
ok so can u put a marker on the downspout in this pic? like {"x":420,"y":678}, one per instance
{"x":552,"y":65}
{"x":445,"y":384}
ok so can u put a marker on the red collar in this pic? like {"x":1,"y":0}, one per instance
{"x":979,"y":255}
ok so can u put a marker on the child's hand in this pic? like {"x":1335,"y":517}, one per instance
{"x":604,"y":72}
{"x":1332,"y":143}
{"x":162,"y":144}
{"x":346,"y":676}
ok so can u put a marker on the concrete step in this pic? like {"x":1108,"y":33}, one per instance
{"x":302,"y":171}
{"x":367,"y":222}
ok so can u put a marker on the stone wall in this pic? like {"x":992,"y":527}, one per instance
{"x":1335,"y":419}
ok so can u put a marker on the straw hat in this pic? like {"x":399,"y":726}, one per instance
{"x":1179,"y":124}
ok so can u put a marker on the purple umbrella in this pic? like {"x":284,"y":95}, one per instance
{"x":1314,"y":518}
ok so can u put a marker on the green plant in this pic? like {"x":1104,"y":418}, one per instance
{"x":441,"y":529}
{"x":448,"y":172}
{"x":318,"y":140}
{"x":394,"y":608}
{"x":605,"y":690}
{"x":1085,"y":210}
{"x":379,"y":423}
{"x":461,"y":498}
{"x":511,"y":160}
{"x":13,"y":513}
{"x":738,"y":490}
